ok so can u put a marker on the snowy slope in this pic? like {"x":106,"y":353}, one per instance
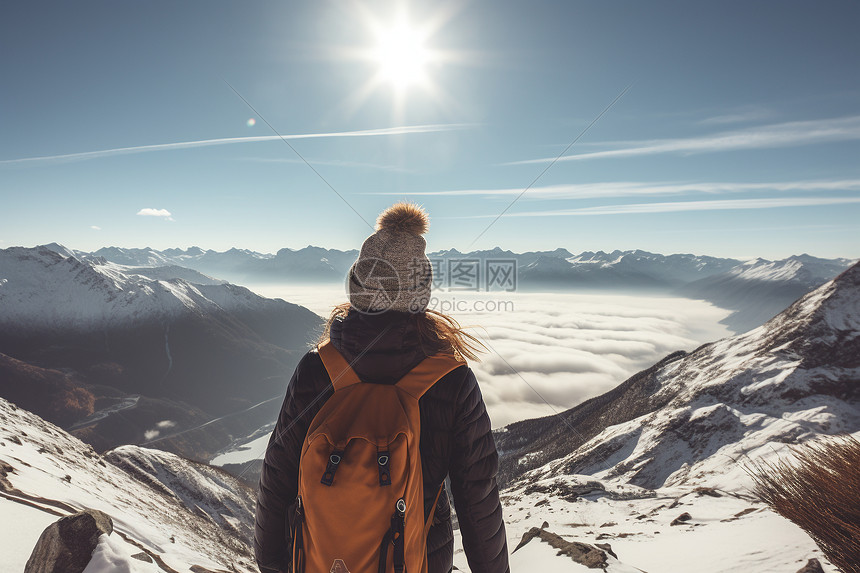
{"x":727,"y":531}
{"x":182,"y":513}
{"x":112,"y":350}
{"x":677,"y":438}
{"x":42,"y":289}
{"x":790,"y":380}
{"x":170,"y":272}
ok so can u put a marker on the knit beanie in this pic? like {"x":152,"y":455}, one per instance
{"x":392,"y":272}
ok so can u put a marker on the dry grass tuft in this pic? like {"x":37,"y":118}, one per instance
{"x":819,"y":490}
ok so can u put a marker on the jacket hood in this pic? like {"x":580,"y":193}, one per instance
{"x":381,"y":348}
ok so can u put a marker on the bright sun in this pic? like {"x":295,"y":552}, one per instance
{"x":402,"y":55}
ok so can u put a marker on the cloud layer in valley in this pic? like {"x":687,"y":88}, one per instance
{"x":553,"y":351}
{"x":556,"y":351}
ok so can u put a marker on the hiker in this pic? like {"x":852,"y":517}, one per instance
{"x":350,"y":508}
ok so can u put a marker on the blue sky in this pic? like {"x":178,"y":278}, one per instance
{"x":739,"y":134}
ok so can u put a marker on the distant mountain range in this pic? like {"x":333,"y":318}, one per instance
{"x":755,"y":290}
{"x":122,"y":354}
{"x":311,"y":264}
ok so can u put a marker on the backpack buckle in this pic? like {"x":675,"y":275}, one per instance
{"x":382,"y":460}
{"x":333,"y":462}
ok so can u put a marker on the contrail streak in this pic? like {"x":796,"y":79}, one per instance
{"x":83,"y":156}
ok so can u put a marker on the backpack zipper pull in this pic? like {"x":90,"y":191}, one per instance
{"x":298,"y":560}
{"x":398,"y":527}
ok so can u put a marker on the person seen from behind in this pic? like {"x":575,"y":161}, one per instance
{"x":386,"y":390}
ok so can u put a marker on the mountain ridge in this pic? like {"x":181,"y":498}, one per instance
{"x":689,"y":406}
{"x":107,"y":341}
{"x":755,"y":290}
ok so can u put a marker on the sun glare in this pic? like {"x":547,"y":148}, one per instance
{"x":400,"y":50}
{"x":401,"y":55}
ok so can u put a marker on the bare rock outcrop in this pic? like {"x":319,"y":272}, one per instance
{"x":582,"y":553}
{"x":66,"y":546}
{"x":812,"y":566}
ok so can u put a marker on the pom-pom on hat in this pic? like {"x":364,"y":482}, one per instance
{"x":392,"y":272}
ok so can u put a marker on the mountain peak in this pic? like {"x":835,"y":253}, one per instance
{"x":785,"y":382}
{"x":836,"y":304}
{"x":58,"y":248}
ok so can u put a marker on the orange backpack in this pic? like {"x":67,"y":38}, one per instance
{"x":361,"y":491}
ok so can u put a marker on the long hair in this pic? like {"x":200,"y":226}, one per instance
{"x":436,"y":330}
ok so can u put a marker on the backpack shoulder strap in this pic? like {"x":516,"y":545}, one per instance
{"x":421,"y":378}
{"x":340,"y":372}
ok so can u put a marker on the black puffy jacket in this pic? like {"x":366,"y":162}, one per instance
{"x":456,"y":442}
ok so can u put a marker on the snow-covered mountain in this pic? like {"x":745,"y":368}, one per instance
{"x":803,"y":268}
{"x":658,"y":465}
{"x":242,"y":265}
{"x":558,"y":268}
{"x":175,"y":515}
{"x":793,"y":378}
{"x":88,"y":343}
{"x":759,"y":289}
{"x":41,"y":289}
{"x":673,"y":269}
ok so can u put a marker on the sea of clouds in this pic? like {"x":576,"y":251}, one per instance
{"x":548,"y":352}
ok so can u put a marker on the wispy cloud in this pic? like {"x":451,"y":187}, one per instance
{"x":402,"y":130}
{"x":638,"y":188}
{"x":149,"y":212}
{"x":740,"y":116}
{"x":677,"y":206}
{"x":789,"y":134}
{"x":327,"y":162}
{"x":97,"y":228}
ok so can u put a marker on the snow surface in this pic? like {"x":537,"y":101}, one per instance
{"x":113,"y":555}
{"x":185,"y":513}
{"x":638,"y":530}
{"x":20,"y":528}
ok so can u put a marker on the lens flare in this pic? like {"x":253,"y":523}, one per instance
{"x":251,"y":122}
